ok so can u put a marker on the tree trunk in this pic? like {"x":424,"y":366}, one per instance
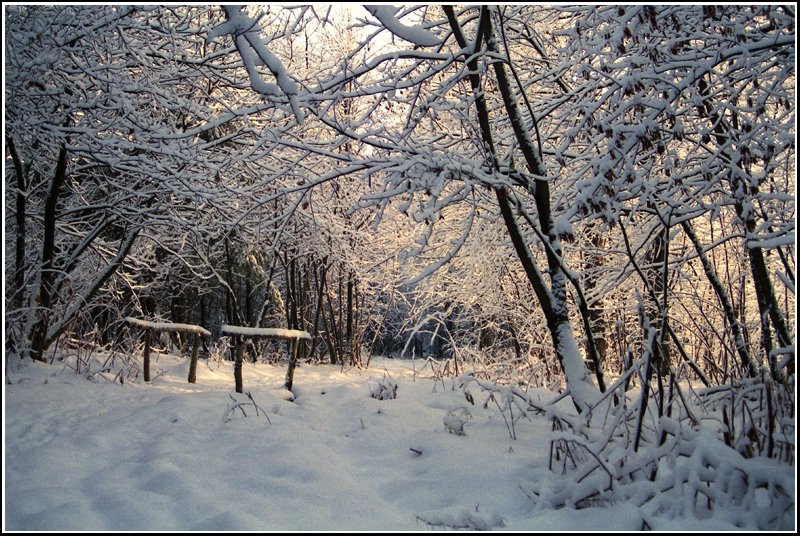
{"x":596,"y":312}
{"x":349,"y":326}
{"x":248,"y":303}
{"x":305,"y":291}
{"x":231,"y":309}
{"x":768,"y":305}
{"x":292,"y":364}
{"x":515,"y":341}
{"x":553,"y":301}
{"x":47,"y":276}
{"x":657,"y":257}
{"x":320,"y":304}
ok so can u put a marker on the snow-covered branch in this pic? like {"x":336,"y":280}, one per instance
{"x":413,"y":34}
{"x":246,"y":33}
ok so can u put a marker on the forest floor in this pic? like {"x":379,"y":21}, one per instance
{"x":84,"y":454}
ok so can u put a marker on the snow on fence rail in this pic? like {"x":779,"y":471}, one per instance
{"x":158,"y":327}
{"x":167,"y":326}
{"x":270,"y":333}
{"x":237,"y":350}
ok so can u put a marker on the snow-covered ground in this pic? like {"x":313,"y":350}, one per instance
{"x":93,"y":455}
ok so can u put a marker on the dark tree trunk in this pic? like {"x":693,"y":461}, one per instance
{"x":596,"y":312}
{"x":553,"y":301}
{"x":656,"y":258}
{"x":47,"y":277}
{"x":515,"y":341}
{"x":349,"y":326}
{"x":768,"y":305}
{"x":292,"y":364}
{"x":320,"y":278}
{"x":230,"y":299}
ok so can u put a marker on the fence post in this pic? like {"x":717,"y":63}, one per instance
{"x":146,"y":364}
{"x":292,"y":363}
{"x":237,"y":367}
{"x":193,"y":363}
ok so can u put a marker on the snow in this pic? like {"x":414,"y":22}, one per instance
{"x":167,"y":326}
{"x":583,"y":391}
{"x":787,"y":239}
{"x":413,"y":34}
{"x":83,"y":455}
{"x":278,"y":333}
{"x":254,"y":52}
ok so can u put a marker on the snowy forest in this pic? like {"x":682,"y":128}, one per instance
{"x":534,"y":266}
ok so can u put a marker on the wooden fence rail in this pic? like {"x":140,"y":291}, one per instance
{"x":158,"y":327}
{"x":241,"y":333}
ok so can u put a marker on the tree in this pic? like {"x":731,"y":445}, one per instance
{"x":117,"y":120}
{"x":222,"y":157}
{"x":654,"y":84}
{"x":51,"y":135}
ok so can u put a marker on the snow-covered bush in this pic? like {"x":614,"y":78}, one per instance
{"x":512,"y":403}
{"x":757,"y":416}
{"x":386,"y":389}
{"x":455,"y":420}
{"x":672,"y":462}
{"x":690,"y":472}
{"x":241,"y":407}
{"x":461,"y":519}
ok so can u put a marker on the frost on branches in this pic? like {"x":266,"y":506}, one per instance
{"x":246,"y":33}
{"x":588,"y":209}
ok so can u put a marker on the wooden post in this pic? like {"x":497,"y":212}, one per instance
{"x":146,"y":365}
{"x":237,"y":367}
{"x":292,"y":363}
{"x":193,"y":363}
{"x":159,"y":327}
{"x":240,"y":334}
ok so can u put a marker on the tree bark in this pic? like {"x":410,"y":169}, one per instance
{"x":292,"y":364}
{"x":768,"y":306}
{"x":596,"y":312}
{"x":656,"y":258}
{"x":231,"y":306}
{"x":349,"y":321}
